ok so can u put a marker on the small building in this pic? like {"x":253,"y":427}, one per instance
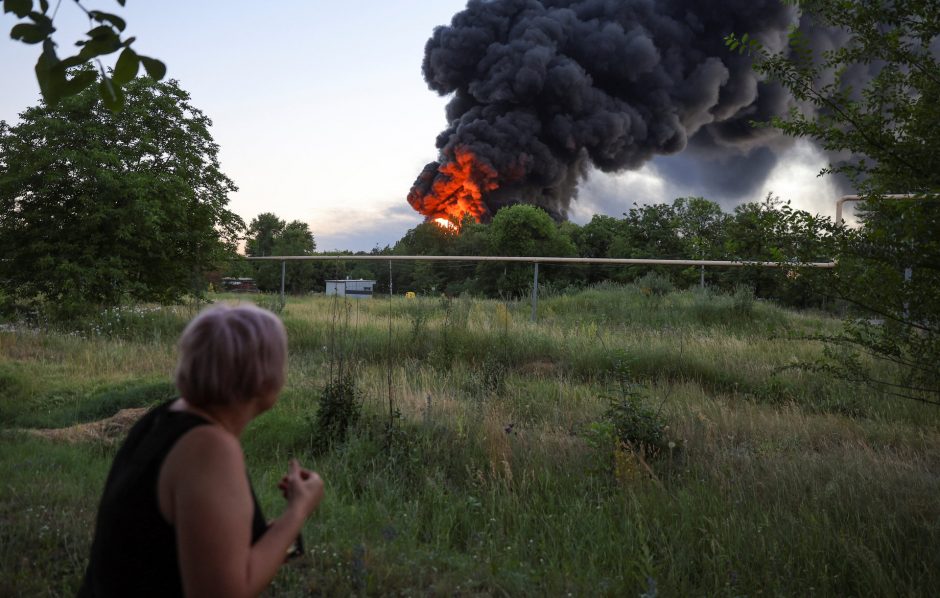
{"x":355,"y":289}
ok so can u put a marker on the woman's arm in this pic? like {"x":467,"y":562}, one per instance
{"x":205,"y":495}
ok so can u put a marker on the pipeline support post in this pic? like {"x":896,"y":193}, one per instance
{"x":283,"y":277}
{"x":702,"y":278}
{"x":908,"y":275}
{"x":535,"y":292}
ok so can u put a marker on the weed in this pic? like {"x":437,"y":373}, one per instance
{"x":489,"y":378}
{"x":655,"y":284}
{"x":634,"y":423}
{"x":743,"y":297}
{"x":272,"y":302}
{"x":452,"y":325}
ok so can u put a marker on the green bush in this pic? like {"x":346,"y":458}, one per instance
{"x":339,"y":411}
{"x":637,"y":425}
{"x":655,"y":284}
{"x":743,"y":297}
{"x":634,"y":423}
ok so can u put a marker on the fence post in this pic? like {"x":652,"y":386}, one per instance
{"x":702,"y":279}
{"x":283,"y":276}
{"x":535,"y":292}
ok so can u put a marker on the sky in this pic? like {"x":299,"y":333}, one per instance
{"x":322,"y":114}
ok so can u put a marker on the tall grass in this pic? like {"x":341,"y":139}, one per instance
{"x":490,"y":481}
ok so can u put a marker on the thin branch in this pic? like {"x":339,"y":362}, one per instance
{"x":917,"y":399}
{"x":878,"y":312}
{"x":932,"y":391}
{"x":813,"y":92}
{"x":84,"y":10}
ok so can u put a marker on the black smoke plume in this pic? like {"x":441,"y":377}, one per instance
{"x":544,"y":89}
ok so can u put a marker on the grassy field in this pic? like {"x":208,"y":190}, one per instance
{"x":500,"y":473}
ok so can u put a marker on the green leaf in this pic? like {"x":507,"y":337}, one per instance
{"x":105,"y":44}
{"x":111,"y":95}
{"x":155,"y":68}
{"x":106,"y":17}
{"x":121,"y":2}
{"x":28,"y":34}
{"x":44,"y":4}
{"x":48,"y":49}
{"x":126,"y":67}
{"x":51,"y":80}
{"x":71,"y":61}
{"x":20,"y":8}
{"x":101,"y":32}
{"x":79,"y":82}
{"x":41,"y":19}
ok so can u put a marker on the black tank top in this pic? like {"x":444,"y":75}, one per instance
{"x":134,"y":549}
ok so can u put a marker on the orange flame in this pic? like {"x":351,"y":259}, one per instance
{"x":445,"y":224}
{"x":457,"y":190}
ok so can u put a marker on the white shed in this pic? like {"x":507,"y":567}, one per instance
{"x":355,"y":289}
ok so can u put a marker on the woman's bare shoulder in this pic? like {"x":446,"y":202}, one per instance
{"x":205,"y":457}
{"x":207,"y":446}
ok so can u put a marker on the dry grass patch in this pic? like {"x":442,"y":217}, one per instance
{"x":109,"y":430}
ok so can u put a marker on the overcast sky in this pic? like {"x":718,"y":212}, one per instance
{"x":322,"y":114}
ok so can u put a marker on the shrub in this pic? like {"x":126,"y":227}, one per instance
{"x":339,"y":411}
{"x":655,"y":284}
{"x":743,"y":298}
{"x":634,"y":423}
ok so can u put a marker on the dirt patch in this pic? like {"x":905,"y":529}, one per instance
{"x":111,"y":429}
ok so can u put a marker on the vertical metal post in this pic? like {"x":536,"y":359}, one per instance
{"x":283,"y":276}
{"x":702,"y":279}
{"x":388,"y":355}
{"x":535,"y":292}
{"x":908,"y":275}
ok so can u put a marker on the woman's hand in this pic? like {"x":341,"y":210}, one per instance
{"x":302,"y":488}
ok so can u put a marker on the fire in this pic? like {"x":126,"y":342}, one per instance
{"x":445,"y":223}
{"x":454,"y":189}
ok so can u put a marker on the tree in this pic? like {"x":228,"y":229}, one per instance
{"x":293,"y":238}
{"x":428,"y":238}
{"x":522,"y":230}
{"x":53,"y":73}
{"x":701,"y":225}
{"x":97,"y":208}
{"x":887,"y":125}
{"x":772,"y":231}
{"x":261,"y":234}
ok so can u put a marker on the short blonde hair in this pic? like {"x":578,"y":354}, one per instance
{"x":231,"y":353}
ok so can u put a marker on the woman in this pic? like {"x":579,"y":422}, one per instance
{"x":178,"y":515}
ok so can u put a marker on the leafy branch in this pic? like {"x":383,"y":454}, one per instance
{"x":54,"y":75}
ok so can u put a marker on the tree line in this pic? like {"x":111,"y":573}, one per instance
{"x":689,"y":228}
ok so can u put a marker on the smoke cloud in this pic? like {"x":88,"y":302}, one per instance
{"x":542,"y":90}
